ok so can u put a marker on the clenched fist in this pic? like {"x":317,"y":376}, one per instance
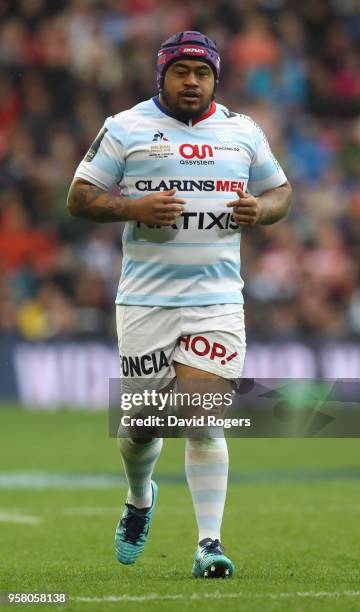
{"x":161,"y":208}
{"x":246,"y":209}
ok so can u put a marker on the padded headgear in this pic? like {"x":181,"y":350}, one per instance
{"x":187,"y":45}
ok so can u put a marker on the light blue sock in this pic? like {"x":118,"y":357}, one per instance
{"x":206,"y":467}
{"x":139,"y":461}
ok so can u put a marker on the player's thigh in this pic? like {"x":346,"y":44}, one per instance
{"x":202,"y":391}
{"x":213,"y":340}
{"x":147,"y":337}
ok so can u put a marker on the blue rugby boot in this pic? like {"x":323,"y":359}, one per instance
{"x":210,"y":561}
{"x":132,"y":530}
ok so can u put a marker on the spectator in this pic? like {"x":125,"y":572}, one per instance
{"x":67,"y":64}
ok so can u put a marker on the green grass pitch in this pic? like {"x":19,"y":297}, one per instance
{"x":291,"y":522}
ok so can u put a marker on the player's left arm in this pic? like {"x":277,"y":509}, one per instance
{"x":268,"y":194}
{"x":265,"y":209}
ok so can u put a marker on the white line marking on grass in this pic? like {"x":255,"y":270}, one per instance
{"x":48,"y":480}
{"x":118,"y":598}
{"x":44,"y":480}
{"x":217,"y":595}
{"x":319,"y":594}
{"x":12,"y":517}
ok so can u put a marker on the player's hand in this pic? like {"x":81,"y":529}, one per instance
{"x":246,"y":210}
{"x":160,"y":208}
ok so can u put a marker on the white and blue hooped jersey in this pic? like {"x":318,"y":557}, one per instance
{"x":145,"y":149}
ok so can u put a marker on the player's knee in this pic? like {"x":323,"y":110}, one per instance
{"x":206,"y":440}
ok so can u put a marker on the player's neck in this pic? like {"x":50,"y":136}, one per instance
{"x":161,"y":103}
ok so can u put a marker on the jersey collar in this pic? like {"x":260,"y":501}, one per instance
{"x":164,"y":110}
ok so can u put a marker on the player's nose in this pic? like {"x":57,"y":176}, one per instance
{"x":191,"y":80}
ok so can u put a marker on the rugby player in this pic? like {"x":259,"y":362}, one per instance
{"x":191,"y":174}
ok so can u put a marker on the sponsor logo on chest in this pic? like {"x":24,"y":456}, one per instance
{"x":219,"y":185}
{"x":190,"y":153}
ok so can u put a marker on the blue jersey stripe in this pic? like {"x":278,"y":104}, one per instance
{"x":174,"y":167}
{"x":195,"y":299}
{"x":263,"y":171}
{"x":107,"y":164}
{"x":150,"y":270}
{"x":116,"y":130}
{"x":184,"y":245}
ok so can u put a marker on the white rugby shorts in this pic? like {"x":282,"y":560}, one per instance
{"x":209,"y":338}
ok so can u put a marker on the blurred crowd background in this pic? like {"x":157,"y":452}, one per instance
{"x":293,"y":66}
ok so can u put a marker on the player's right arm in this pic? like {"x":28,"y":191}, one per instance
{"x":88,"y":201}
{"x":90,"y":195}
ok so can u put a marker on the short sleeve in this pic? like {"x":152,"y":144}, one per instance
{"x":103,"y":164}
{"x":265,"y":171}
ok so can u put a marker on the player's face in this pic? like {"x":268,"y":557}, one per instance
{"x":188,"y":88}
